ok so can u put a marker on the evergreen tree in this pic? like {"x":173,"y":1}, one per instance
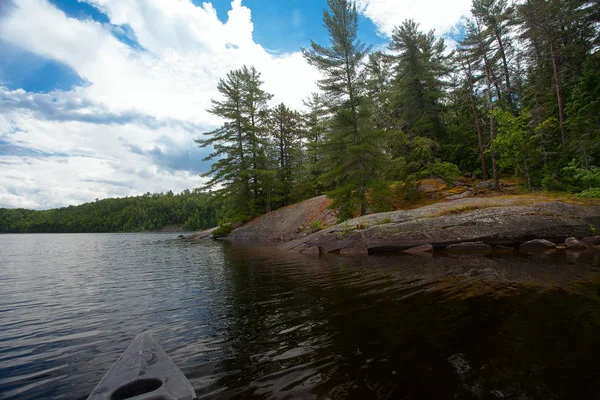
{"x":316,"y":123}
{"x":238,"y":144}
{"x":497,"y":18}
{"x":477,"y":45}
{"x":286,"y":125}
{"x":418,"y":86}
{"x":350,"y":150}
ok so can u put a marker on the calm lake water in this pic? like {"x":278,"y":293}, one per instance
{"x":257,"y":323}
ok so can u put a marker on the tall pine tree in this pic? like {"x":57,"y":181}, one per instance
{"x":350,"y":149}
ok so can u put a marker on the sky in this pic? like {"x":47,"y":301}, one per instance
{"x":104,"y":98}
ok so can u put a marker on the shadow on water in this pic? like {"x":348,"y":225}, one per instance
{"x":411,"y":327}
{"x":247,"y":322}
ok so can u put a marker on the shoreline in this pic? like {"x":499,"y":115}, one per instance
{"x":488,"y":224}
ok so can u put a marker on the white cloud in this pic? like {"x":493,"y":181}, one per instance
{"x":75,"y":180}
{"x":187,"y":49}
{"x":441,"y":15}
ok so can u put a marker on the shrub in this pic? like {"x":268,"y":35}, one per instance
{"x":222,"y":230}
{"x":316,"y":225}
{"x":549,"y":182}
{"x":386,"y":220}
{"x":593,"y":193}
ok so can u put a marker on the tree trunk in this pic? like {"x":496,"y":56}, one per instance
{"x":506,"y":74}
{"x":561,"y":108}
{"x":477,"y":123}
{"x":362,"y":192}
{"x":488,"y":76}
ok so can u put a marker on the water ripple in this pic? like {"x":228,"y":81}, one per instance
{"x":254,"y":322}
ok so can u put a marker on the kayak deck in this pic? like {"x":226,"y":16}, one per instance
{"x":144,"y":372}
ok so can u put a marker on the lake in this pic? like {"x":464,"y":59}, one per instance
{"x":244,"y":322}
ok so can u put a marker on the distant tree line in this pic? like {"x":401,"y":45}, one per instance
{"x":520,"y":95}
{"x":192,"y":210}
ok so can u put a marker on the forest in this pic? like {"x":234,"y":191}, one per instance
{"x":192,"y":210}
{"x":519,"y":96}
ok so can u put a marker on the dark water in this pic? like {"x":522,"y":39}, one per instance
{"x":256,"y":323}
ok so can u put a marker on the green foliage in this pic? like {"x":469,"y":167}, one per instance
{"x":444,"y":170}
{"x":549,"y":182}
{"x":238,"y":145}
{"x":517,"y":144}
{"x":222,"y":230}
{"x":316,"y":225}
{"x":581,"y":178}
{"x":386,"y":220}
{"x":418,"y":88}
{"x":352,"y":157}
{"x":593,"y":193}
{"x":192,"y":210}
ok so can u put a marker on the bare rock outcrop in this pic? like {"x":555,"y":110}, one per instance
{"x":444,"y":224}
{"x":286,"y":223}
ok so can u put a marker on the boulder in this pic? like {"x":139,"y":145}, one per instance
{"x":469,"y":247}
{"x":591,"y":240}
{"x":462,"y":195}
{"x":538,"y":244}
{"x":485,"y":185}
{"x":424,"y":248}
{"x":572,"y":243}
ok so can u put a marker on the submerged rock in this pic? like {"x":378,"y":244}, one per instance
{"x":538,"y":244}
{"x":572,"y":243}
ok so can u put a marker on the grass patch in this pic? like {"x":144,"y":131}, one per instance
{"x":315,"y":225}
{"x":386,"y":220}
{"x":460,"y":209}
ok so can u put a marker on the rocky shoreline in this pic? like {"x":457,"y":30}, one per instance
{"x":457,"y":226}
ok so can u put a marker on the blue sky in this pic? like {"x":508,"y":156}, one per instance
{"x":103,"y":98}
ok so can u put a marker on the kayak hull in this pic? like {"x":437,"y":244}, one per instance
{"x":144,"y":372}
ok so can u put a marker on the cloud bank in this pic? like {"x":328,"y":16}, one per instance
{"x":150,"y":74}
{"x":439,"y":15}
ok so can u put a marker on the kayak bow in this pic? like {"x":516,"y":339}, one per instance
{"x":144,"y":372}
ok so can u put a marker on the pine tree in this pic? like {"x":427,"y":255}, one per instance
{"x":316,"y":123}
{"x":478,"y":47}
{"x":255,"y":108}
{"x":497,"y":18}
{"x":287,"y":133}
{"x":237,"y":145}
{"x":419,"y":65}
{"x":350,"y":150}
